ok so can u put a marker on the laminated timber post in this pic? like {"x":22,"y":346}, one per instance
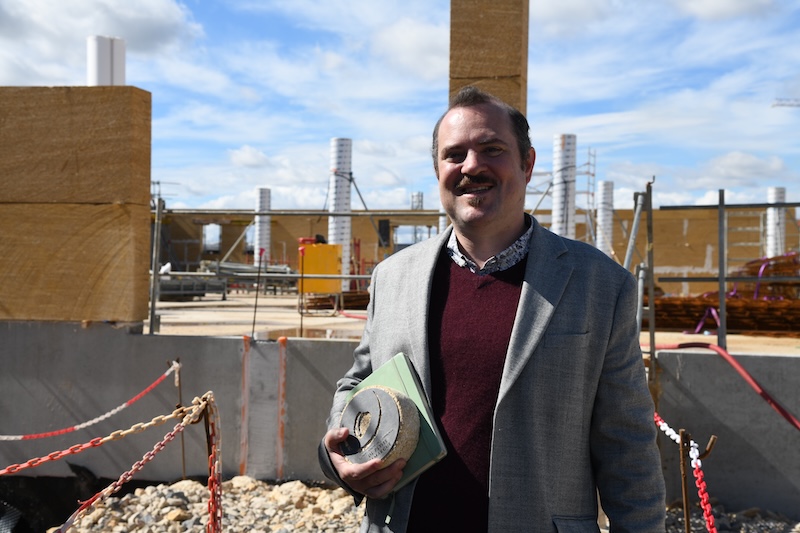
{"x":489,"y":48}
{"x":74,"y":203}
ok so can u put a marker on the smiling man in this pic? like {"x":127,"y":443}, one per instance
{"x":483,"y":171}
{"x":526,"y":344}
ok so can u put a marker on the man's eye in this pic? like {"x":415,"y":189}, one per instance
{"x":454,"y":156}
{"x":493,"y":150}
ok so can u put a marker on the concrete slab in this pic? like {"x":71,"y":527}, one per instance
{"x":263,"y":317}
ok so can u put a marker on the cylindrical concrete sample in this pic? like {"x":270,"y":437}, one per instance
{"x":383,"y":424}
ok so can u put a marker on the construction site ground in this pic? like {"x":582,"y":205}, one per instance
{"x":272,"y":316}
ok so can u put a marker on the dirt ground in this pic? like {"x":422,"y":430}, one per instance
{"x":272,"y":316}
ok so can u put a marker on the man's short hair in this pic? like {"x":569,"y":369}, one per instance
{"x":471,"y":96}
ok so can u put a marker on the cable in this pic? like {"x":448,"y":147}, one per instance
{"x":755,"y":385}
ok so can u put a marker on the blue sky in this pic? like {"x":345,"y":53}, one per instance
{"x":249,"y":93}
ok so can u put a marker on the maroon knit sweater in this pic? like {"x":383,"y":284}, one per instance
{"x":470,"y":327}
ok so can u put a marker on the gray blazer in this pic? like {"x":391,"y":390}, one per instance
{"x":574,"y":415}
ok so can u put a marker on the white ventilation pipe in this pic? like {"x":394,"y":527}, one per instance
{"x":417,"y":205}
{"x":605,"y":217}
{"x":263,"y":236}
{"x":564,"y":170}
{"x":776,"y":222}
{"x":339,"y":188}
{"x":105,"y":61}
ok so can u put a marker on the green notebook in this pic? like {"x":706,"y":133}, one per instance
{"x":399,"y":374}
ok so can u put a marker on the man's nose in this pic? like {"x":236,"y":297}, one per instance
{"x":473,"y":163}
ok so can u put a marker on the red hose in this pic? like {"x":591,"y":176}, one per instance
{"x":742,"y":372}
{"x":348,"y":315}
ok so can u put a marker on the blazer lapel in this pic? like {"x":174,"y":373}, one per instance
{"x":545,"y":279}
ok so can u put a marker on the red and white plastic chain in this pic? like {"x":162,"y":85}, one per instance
{"x":214,"y":524}
{"x":174,"y":367}
{"x":697,"y":465}
{"x":700,"y":483}
{"x":198,"y":406}
{"x":180,"y":412}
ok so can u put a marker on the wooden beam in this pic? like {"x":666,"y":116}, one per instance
{"x":489,"y":48}
{"x":74,"y":203}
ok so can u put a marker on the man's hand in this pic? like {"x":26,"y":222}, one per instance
{"x":372,"y":479}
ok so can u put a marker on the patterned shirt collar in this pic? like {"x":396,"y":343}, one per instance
{"x":502,"y":261}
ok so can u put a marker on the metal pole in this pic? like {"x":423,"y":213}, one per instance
{"x":722,"y":259}
{"x":180,"y":404}
{"x":258,"y":289}
{"x":541,"y":198}
{"x":301,"y":290}
{"x":641,"y":275}
{"x":155,"y":265}
{"x":233,"y":247}
{"x":371,"y":218}
{"x":684,"y":446}
{"x":634,"y":230}
{"x":651,"y":284}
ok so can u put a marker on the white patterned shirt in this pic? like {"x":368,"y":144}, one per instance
{"x":502,"y":261}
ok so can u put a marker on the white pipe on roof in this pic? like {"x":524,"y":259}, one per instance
{"x":564,"y":171}
{"x":339,"y":189}
{"x":263,"y":233}
{"x":605,"y":217}
{"x":105,"y":61}
{"x":776,"y":222}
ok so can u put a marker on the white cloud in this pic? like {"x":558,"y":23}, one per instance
{"x":47,"y":44}
{"x":711,"y":197}
{"x":568,"y":18}
{"x":738,"y":169}
{"x":181,"y":74}
{"x":350,"y":18}
{"x":723,"y":9}
{"x":247,"y":156}
{"x":415,"y":47}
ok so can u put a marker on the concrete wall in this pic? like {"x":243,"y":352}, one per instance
{"x":57,"y":375}
{"x":756,"y":460}
{"x":273,"y":398}
{"x":291,"y":385}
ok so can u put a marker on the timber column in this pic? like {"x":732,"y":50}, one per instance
{"x":489,"y":48}
{"x":74,"y":203}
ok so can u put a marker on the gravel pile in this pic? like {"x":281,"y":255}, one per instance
{"x":747,"y":521}
{"x":256,"y":506}
{"x":248,"y":506}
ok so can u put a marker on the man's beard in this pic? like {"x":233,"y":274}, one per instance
{"x":475,"y":201}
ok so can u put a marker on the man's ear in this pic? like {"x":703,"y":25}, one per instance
{"x":529,"y":165}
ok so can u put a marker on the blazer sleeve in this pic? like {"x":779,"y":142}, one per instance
{"x":623,"y":430}
{"x":362,"y":367}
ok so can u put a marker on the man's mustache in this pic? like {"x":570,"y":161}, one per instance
{"x":480,"y":179}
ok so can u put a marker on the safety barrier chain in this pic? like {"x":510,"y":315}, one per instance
{"x":214,"y":441}
{"x":200,"y":406}
{"x":174,"y":367}
{"x":180,"y":412}
{"x":697,"y":464}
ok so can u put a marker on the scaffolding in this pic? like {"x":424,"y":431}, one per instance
{"x":723,"y":276}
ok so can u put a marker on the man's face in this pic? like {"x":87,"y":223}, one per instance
{"x":482,"y":178}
